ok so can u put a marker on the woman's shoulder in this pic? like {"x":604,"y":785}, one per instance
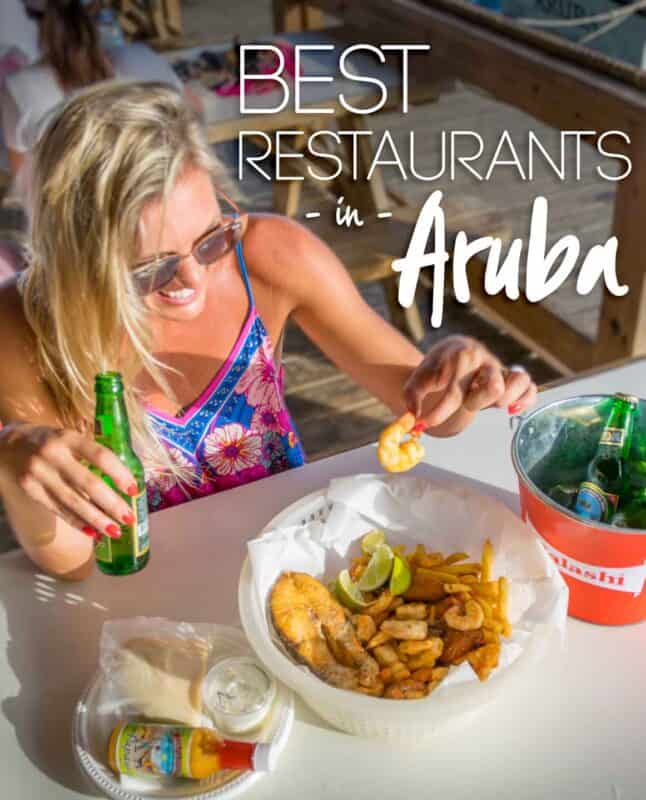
{"x":273,"y":243}
{"x":17,"y":338}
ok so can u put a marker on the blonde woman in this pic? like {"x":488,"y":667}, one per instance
{"x":138,"y":265}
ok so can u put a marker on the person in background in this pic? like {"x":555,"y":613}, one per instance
{"x":141,"y":264}
{"x":72,"y":58}
{"x":18,"y":31}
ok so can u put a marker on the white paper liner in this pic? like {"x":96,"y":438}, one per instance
{"x":445,"y":517}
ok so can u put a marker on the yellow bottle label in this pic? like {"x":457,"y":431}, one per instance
{"x":138,"y":532}
{"x":147,"y":751}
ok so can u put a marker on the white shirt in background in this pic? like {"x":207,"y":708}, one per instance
{"x":17,"y":30}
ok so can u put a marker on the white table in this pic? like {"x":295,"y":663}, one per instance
{"x":577,"y":732}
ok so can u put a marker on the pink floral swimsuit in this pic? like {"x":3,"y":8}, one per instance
{"x":237,"y":431}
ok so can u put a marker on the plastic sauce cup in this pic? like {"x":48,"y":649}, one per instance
{"x":238,"y":692}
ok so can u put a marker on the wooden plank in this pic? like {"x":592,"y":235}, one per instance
{"x":291,"y":16}
{"x":622,"y":327}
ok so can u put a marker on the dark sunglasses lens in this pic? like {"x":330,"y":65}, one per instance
{"x":213,"y":247}
{"x":153,"y":278}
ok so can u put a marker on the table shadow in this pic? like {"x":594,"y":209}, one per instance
{"x":51,"y":667}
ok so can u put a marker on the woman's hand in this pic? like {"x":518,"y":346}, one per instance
{"x":457,"y":378}
{"x":46,"y":463}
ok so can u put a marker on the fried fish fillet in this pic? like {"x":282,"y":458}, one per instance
{"x":315,"y":628}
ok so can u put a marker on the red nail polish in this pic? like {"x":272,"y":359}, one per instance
{"x":419,"y":428}
{"x":514,"y":408}
{"x":113,"y":530}
{"x":133,"y":491}
{"x":89,"y":531}
{"x":128,"y":519}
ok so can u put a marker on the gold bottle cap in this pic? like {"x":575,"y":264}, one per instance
{"x":629,"y":398}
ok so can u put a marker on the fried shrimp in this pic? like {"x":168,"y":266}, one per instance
{"x":396,"y":455}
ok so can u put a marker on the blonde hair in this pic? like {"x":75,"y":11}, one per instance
{"x":112,"y":148}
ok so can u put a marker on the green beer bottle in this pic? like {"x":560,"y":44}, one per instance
{"x":632,"y":506}
{"x":130,"y":552}
{"x":598,"y":496}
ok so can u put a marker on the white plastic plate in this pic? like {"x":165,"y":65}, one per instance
{"x":92,"y":726}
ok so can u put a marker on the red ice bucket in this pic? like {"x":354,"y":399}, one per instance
{"x":604,"y":566}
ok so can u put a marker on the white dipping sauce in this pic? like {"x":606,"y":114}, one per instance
{"x":238,"y":692}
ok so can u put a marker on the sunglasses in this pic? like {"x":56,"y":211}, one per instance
{"x":153,"y":275}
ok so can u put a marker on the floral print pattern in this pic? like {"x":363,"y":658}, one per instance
{"x":231,"y":449}
{"x":239,"y":432}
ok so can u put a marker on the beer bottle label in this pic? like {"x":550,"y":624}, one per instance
{"x":614,"y":437}
{"x":138,"y":532}
{"x":595,"y":504}
{"x":141,"y":536}
{"x":153,"y":751}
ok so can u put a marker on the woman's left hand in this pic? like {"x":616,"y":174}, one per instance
{"x":457,"y":378}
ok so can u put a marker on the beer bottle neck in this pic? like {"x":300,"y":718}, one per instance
{"x":617,"y":435}
{"x":111,"y":426}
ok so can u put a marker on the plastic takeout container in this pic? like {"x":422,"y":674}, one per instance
{"x":604,"y":566}
{"x":408,"y":723}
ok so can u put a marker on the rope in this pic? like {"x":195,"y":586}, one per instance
{"x":617,"y":14}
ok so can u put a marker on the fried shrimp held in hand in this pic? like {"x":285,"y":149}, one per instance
{"x":395,"y":454}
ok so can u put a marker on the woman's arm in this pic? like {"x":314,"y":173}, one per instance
{"x":444,"y":388}
{"x":55,"y":504}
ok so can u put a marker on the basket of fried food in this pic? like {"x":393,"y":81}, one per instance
{"x":398,"y":608}
{"x":394,"y":625}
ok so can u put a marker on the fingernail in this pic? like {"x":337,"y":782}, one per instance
{"x":514,"y":408}
{"x":90,"y":531}
{"x":133,"y":490}
{"x":420,"y":427}
{"x":113,"y":530}
{"x":128,"y":518}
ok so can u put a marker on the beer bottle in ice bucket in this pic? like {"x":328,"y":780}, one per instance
{"x":130,"y":552}
{"x":632,"y":505}
{"x":598,"y":496}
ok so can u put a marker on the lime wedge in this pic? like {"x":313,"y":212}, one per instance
{"x":378,"y":570}
{"x":348,"y":593}
{"x":372,"y":540}
{"x":400,"y":578}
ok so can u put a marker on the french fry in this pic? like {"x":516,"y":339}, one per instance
{"x":487,"y":561}
{"x":456,"y":557}
{"x":426,"y":659}
{"x":441,"y":576}
{"x":396,"y":672}
{"x":489,"y":590}
{"x":385,"y":655}
{"x":454,"y":588}
{"x":429,"y":560}
{"x":374,"y":691}
{"x":439,"y":673}
{"x":424,"y":674}
{"x":378,"y":639}
{"x":472,"y":567}
{"x":413,"y":648}
{"x":486,"y":608}
{"x":493,"y":625}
